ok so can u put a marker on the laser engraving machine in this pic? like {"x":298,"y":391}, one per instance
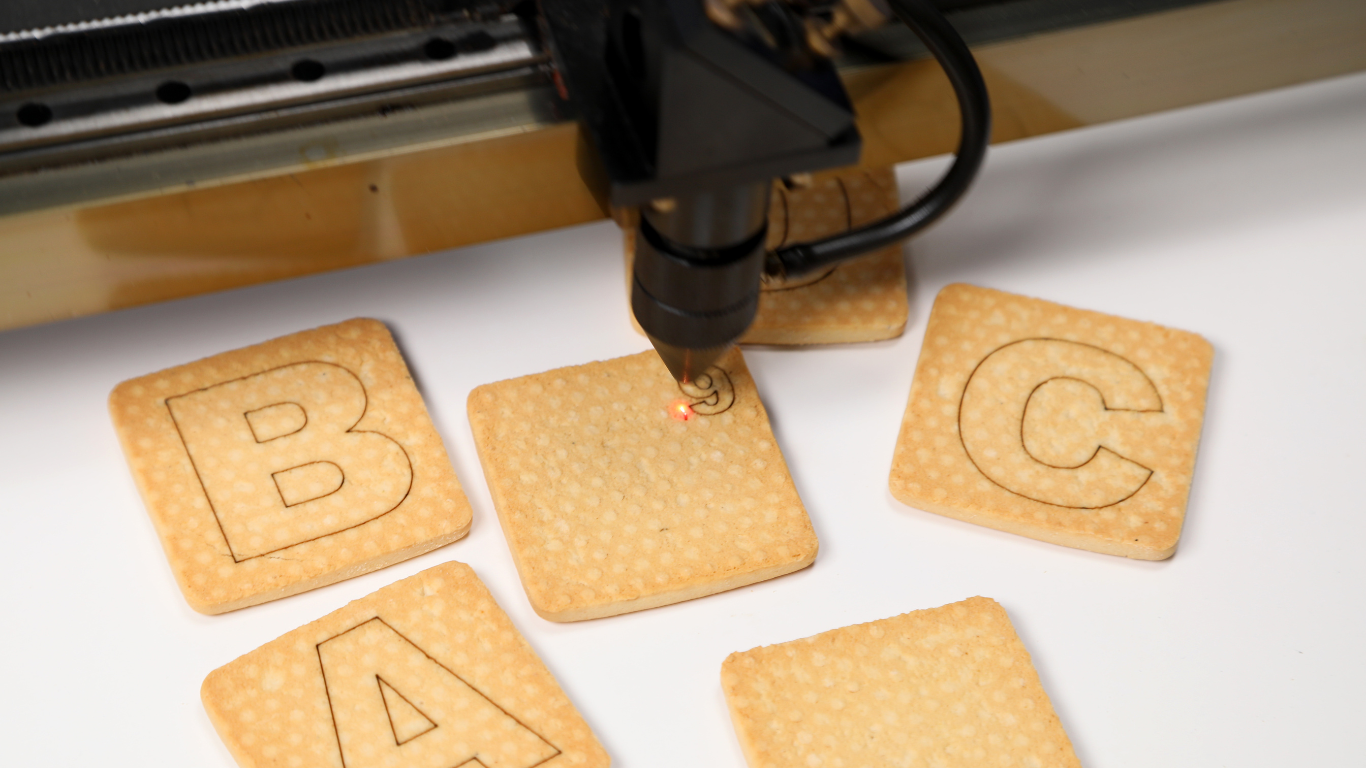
{"x":151,"y":149}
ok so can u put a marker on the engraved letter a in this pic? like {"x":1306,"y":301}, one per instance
{"x":459,"y":726}
{"x":281,"y":461}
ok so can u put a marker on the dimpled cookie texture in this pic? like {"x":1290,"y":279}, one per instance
{"x":619,"y":490}
{"x":288,"y":465}
{"x":1060,"y":424}
{"x":948,"y":687}
{"x":860,"y":300}
{"x":425,"y":673}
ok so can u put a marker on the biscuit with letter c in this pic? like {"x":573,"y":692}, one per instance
{"x":1055,"y":423}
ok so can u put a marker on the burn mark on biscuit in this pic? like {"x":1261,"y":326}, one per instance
{"x":468,"y":761}
{"x":710,"y":393}
{"x":988,"y":405}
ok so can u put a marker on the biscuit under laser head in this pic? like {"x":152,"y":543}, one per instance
{"x":1055,"y":423}
{"x":950,"y":686}
{"x":861,"y":300}
{"x":425,"y":673}
{"x":288,"y":465}
{"x":620,"y":490}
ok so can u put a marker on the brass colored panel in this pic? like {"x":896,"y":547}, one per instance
{"x":1188,"y":56}
{"x":526,"y":183}
{"x":1111,"y":71}
{"x":62,"y":263}
{"x":907,"y":111}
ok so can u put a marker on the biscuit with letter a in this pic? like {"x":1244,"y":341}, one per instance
{"x":950,"y":686}
{"x":425,"y":673}
{"x":619,"y":490}
{"x":1059,"y":424}
{"x":859,"y":300}
{"x":288,"y":465}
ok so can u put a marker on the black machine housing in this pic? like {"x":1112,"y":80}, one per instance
{"x":692,"y":123}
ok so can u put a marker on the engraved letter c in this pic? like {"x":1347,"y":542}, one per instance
{"x":1004,"y":428}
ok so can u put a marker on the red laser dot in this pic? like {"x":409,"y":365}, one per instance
{"x":679,"y":410}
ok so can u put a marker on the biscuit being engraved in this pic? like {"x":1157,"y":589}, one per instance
{"x":860,"y":300}
{"x":288,"y":465}
{"x":619,"y":491}
{"x":950,"y":686}
{"x":1055,"y":423}
{"x":425,"y":673}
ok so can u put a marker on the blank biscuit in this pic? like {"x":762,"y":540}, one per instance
{"x":425,"y":673}
{"x":288,"y":465}
{"x":860,"y":300}
{"x":946,"y":687}
{"x":1055,"y":423}
{"x":618,"y":491}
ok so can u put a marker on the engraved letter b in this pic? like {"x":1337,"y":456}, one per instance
{"x":280,"y":460}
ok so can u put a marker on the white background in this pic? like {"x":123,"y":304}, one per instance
{"x":1243,"y":221}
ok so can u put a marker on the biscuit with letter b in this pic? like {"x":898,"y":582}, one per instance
{"x":425,"y":673}
{"x":1059,"y":424}
{"x":950,"y":686}
{"x":620,"y":490}
{"x":288,"y":465}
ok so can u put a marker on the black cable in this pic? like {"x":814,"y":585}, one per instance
{"x":975,"y":108}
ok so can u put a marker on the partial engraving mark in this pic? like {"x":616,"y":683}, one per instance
{"x":710,"y":393}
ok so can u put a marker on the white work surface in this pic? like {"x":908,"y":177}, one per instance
{"x":1243,"y":221}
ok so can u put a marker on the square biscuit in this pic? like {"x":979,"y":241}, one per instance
{"x":425,"y":673}
{"x":288,"y":465}
{"x":619,"y":491}
{"x":859,"y":300}
{"x":947,"y":687}
{"x":1060,"y":424}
